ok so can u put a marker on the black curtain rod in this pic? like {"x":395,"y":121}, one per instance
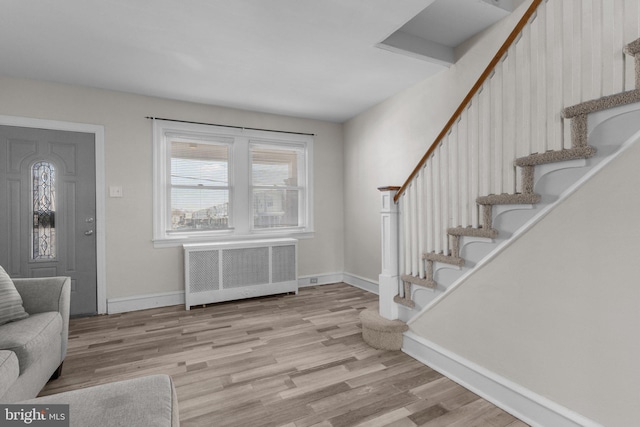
{"x":229,"y":126}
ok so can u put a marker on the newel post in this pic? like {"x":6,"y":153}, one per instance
{"x":388,"y":278}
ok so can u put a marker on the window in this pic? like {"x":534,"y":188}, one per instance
{"x":217,"y":183}
{"x":278,"y":201}
{"x":199,"y":197}
{"x":43,"y":232}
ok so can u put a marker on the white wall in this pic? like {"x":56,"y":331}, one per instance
{"x":384,"y":144}
{"x":558,"y":311}
{"x":134,"y":267}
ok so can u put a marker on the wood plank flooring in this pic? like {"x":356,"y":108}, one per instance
{"x":294,"y":361}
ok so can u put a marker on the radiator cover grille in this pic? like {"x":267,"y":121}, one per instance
{"x":226,"y":271}
{"x":245,"y":267}
{"x":284,"y":266}
{"x":203,"y":271}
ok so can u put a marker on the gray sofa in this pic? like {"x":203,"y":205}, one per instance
{"x":34,"y":330}
{"x":33,"y":348}
{"x":140,"y":402}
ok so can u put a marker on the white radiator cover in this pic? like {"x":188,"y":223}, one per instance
{"x":215,"y":272}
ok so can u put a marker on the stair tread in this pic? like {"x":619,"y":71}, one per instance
{"x":509,"y":199}
{"x":445,"y":259}
{"x":600,"y":104}
{"x":404,"y":301}
{"x":490,"y":233}
{"x":556,"y":156}
{"x":632,"y":48}
{"x":373,"y":320}
{"x":419,"y":281}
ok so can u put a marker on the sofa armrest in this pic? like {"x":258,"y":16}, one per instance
{"x":40,"y":295}
{"x":9,"y":371}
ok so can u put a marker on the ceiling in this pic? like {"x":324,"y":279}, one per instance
{"x":321,"y":59}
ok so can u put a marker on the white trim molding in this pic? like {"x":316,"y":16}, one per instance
{"x":320,"y":279}
{"x":144,"y":302}
{"x":98,"y":131}
{"x":165,"y":299}
{"x":520,"y":402}
{"x":360,"y":282}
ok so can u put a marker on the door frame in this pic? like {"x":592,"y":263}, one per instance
{"x":98,"y":132}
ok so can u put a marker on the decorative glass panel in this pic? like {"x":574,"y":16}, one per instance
{"x":44,"y":207}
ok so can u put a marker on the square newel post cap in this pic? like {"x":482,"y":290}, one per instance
{"x":387,"y":197}
{"x":389,"y":188}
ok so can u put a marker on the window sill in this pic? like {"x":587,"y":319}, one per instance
{"x":182,"y":240}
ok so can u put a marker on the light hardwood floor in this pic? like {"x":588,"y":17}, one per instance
{"x":285,"y":360}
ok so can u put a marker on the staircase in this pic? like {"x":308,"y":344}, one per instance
{"x":512,"y":149}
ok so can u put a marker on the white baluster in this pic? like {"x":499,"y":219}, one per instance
{"x":574,"y":47}
{"x":554,"y":28}
{"x":406,"y":232}
{"x":496,"y":130}
{"x":534,"y":53}
{"x":430,"y":214}
{"x":541,"y":94}
{"x":485,"y":138}
{"x":473,"y":179}
{"x":413,"y":220}
{"x":617,"y":22}
{"x":587,"y":81}
{"x":631,"y":33}
{"x":509,"y":115}
{"x":523,"y":96}
{"x":420,"y":221}
{"x":463,"y":168}
{"x":597,"y":47}
{"x":437,"y":199}
{"x":445,"y":198}
{"x":571,"y":63}
{"x":453,"y":144}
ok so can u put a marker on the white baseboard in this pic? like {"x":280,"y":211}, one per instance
{"x":360,"y":282}
{"x":143,"y":302}
{"x":350,"y":279}
{"x":520,"y":402}
{"x":320,"y":279}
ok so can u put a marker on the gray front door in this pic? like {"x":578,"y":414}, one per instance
{"x":48,"y":208}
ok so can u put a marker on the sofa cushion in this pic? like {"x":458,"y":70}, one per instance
{"x":9,"y":370}
{"x":140,"y":402}
{"x":10,"y":300}
{"x":28,"y":338}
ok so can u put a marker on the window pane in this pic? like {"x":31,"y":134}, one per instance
{"x":275,"y":208}
{"x":44,"y":209}
{"x":195,"y":164}
{"x":199,"y":209}
{"x":275,"y":166}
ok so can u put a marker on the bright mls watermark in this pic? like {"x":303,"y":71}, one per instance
{"x":34,"y":415}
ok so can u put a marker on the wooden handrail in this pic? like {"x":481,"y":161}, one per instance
{"x":465,"y":102}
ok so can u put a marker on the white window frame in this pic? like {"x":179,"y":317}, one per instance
{"x":302,"y":177}
{"x":240,"y":185}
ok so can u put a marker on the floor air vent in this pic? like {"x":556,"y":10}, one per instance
{"x":216,"y":272}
